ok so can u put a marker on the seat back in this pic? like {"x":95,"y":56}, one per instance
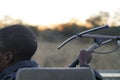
{"x":55,"y":74}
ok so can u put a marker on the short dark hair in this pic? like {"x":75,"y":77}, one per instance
{"x":19,"y":39}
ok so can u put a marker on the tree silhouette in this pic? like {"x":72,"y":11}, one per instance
{"x":99,"y":19}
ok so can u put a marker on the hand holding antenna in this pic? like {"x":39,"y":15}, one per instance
{"x":85,"y":57}
{"x":97,"y":43}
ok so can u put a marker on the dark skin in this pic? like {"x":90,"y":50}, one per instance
{"x":6,"y":59}
{"x":85,"y":57}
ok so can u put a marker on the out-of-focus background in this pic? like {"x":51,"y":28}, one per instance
{"x":54,"y":21}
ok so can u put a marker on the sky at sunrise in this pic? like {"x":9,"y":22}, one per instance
{"x":46,"y":12}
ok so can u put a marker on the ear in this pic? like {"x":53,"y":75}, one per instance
{"x":9,"y":57}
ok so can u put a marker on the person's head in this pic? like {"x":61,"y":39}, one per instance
{"x":17,"y":43}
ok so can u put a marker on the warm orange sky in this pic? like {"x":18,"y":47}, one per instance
{"x":46,"y":12}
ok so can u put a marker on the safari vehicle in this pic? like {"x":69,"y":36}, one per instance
{"x":72,"y":72}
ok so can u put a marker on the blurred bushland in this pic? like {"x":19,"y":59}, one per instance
{"x":48,"y":55}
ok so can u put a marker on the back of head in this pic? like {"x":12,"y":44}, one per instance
{"x":18,"y":39}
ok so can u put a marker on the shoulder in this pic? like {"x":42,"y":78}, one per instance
{"x":10,"y":76}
